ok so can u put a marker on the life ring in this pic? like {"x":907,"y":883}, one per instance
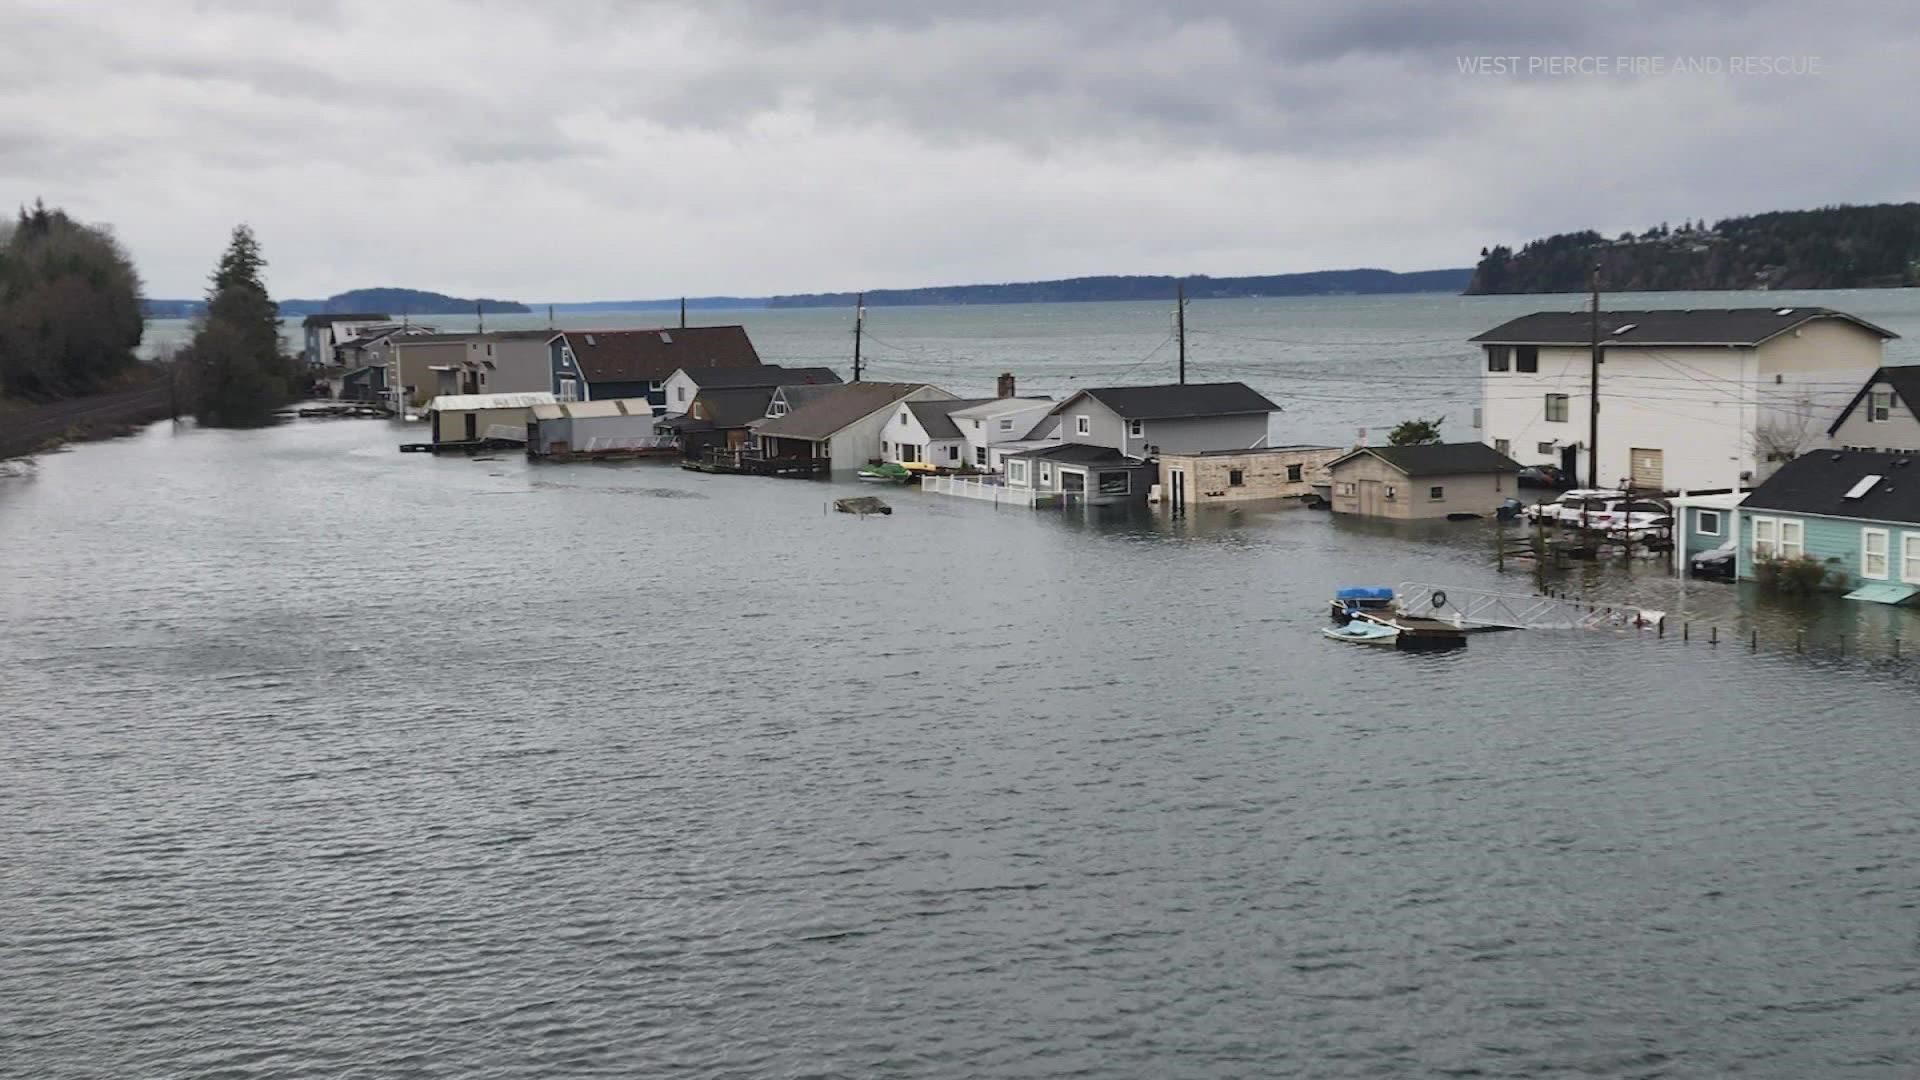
{"x":1439,"y":599}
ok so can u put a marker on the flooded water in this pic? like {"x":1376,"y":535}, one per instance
{"x":321,"y":760}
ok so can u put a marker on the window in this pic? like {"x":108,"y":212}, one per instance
{"x":569,"y":389}
{"x":679,"y":393}
{"x":1526,"y":358}
{"x":1499,"y":357}
{"x":1135,"y":428}
{"x":1017,"y":472}
{"x":489,"y":348}
{"x":653,"y":387}
{"x":976,"y":425}
{"x":903,"y":419}
{"x":979,"y":455}
{"x":953,"y":452}
{"x":1293,"y":474}
{"x":1792,"y":538}
{"x":1391,"y":491}
{"x":1115,"y":483}
{"x":1544,"y":448}
{"x":776,"y":407}
{"x":1766,"y":533}
{"x":909,"y":452}
{"x":1504,"y":446}
{"x":1557,"y":408}
{"x":1083,"y":425}
{"x":1436,"y":492}
{"x":1046,"y":473}
{"x":1706,"y":522}
{"x":1910,"y":557}
{"x":1873,"y":553}
{"x":1236,"y":478}
{"x":1348,"y":488}
{"x":566,"y":356}
{"x":1006,"y":424}
{"x":1879,"y":406}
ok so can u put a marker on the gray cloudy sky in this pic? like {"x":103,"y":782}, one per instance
{"x":594,"y":149}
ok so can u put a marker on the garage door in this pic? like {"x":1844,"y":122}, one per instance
{"x":1649,"y":470}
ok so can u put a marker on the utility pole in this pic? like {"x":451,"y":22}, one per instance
{"x":480,"y":313}
{"x":1593,"y":379}
{"x":549,"y":316}
{"x":683,"y":313}
{"x":1180,"y":324}
{"x":859,"y":318}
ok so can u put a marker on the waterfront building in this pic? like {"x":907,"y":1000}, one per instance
{"x":1884,"y":414}
{"x":1273,"y":472}
{"x":840,"y":426}
{"x":992,"y":426}
{"x":721,"y":418}
{"x":589,"y":364}
{"x":326,"y":332}
{"x":925,"y":431}
{"x":469,"y":417}
{"x":1697,"y":398}
{"x":611,"y":425}
{"x":1173,"y":418}
{"x":685,"y":384}
{"x":1854,"y":512}
{"x":1433,"y":480}
{"x":1071,"y":473}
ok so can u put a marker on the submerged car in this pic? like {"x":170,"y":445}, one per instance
{"x":1717,"y":563}
{"x":1588,"y":505}
{"x":1544,"y":476}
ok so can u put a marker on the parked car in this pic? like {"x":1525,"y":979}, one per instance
{"x":1638,"y":518}
{"x":1581,"y":505}
{"x":1717,"y":563}
{"x":1544,"y":476}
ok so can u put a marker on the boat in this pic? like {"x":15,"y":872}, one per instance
{"x":1355,"y":600}
{"x":862,"y":505}
{"x":886,"y":472}
{"x":1363,"y":632}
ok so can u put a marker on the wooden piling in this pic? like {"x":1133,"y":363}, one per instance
{"x":1686,"y":631}
{"x":1713,"y":635}
{"x":1799,"y":641}
{"x":1756,"y":641}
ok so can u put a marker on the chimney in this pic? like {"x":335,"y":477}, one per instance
{"x":1006,"y":385}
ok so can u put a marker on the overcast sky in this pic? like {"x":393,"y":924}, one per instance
{"x":576,"y":150}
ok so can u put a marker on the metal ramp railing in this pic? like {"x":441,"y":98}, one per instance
{"x":1477,"y":607}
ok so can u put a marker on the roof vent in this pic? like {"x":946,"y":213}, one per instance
{"x":1784,"y":311}
{"x":1865,"y":485}
{"x":666,"y":337}
{"x":590,"y":340}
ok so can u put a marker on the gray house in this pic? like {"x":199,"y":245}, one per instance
{"x":1884,"y":416}
{"x":1176,"y":418}
{"x":1434,"y":480}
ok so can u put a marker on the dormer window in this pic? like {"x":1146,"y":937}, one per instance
{"x":1879,"y":406}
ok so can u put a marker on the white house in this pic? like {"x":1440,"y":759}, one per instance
{"x":989,"y":425}
{"x":1884,"y":415}
{"x":685,"y":384}
{"x":1174,"y":418}
{"x":843,"y":425}
{"x":1697,"y":398}
{"x":926,"y":431}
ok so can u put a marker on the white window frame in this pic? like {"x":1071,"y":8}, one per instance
{"x":1566,"y":409}
{"x":1006,"y":424}
{"x":1046,"y":474}
{"x":1136,"y":429}
{"x":1764,"y":538}
{"x":1504,"y":446}
{"x":679,"y":393}
{"x":1083,"y":425}
{"x":1879,"y":406}
{"x":654,"y":386}
{"x":1016,"y":472}
{"x":1910,"y":557}
{"x":1437,"y":493}
{"x":903,"y":419}
{"x":1868,"y":555}
{"x":776,"y":408}
{"x":1798,"y":546}
{"x":979,"y":455}
{"x":1391,"y":491}
{"x":569,"y":389}
{"x":1700,"y":526}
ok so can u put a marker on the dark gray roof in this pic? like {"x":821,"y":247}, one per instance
{"x":936,"y":416}
{"x":1904,"y":380}
{"x":1672,"y":326}
{"x":1818,"y":483}
{"x":1080,"y":454}
{"x":731,"y":408}
{"x":1172,"y":401}
{"x":1437,"y":459}
{"x":654,"y":354}
{"x":766,"y":375}
{"x":834,"y":408}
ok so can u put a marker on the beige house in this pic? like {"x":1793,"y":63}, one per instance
{"x":470,"y":417}
{"x":414,"y":364}
{"x":1435,"y":480}
{"x":1883,"y":416}
{"x":1279,"y":472}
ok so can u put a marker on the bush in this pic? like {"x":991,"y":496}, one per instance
{"x":1802,"y":576}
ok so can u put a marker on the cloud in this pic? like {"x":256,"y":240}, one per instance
{"x":601,"y":149}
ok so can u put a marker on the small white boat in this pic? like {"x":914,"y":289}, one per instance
{"x":1363,"y":632}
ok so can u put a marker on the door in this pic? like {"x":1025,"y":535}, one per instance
{"x":1177,"y":489}
{"x":472,"y":420}
{"x":1370,"y":498}
{"x":1649,"y":468}
{"x":1570,"y":464}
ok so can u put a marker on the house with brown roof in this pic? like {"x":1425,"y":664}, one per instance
{"x":587,"y":365}
{"x":1430,"y":480}
{"x":841,"y":425}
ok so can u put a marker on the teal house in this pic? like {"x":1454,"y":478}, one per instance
{"x":1855,"y":511}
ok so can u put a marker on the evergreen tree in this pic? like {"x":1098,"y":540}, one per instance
{"x":69,"y":306}
{"x":1416,"y":432}
{"x":239,"y":375}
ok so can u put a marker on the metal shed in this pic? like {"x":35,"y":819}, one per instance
{"x":612,"y":426}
